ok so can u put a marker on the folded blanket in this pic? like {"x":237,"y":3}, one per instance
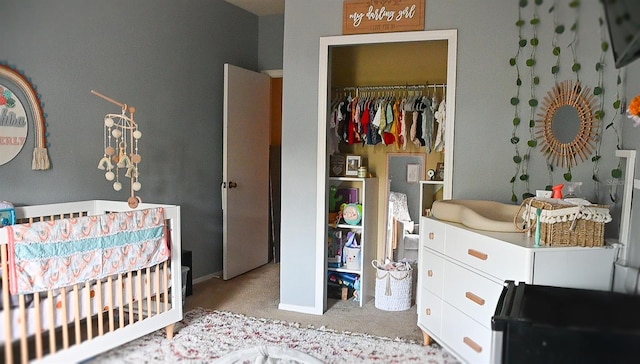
{"x":59,"y":253}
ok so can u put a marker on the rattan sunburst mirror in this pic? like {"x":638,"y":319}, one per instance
{"x":567,"y":126}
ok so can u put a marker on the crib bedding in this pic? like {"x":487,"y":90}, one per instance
{"x":53,"y":254}
{"x":124,"y":291}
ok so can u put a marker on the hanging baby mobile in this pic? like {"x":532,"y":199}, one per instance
{"x":121,"y":136}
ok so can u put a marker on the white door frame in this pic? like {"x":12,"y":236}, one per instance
{"x":451,"y":36}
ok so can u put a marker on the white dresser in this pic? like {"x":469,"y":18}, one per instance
{"x":461,"y":273}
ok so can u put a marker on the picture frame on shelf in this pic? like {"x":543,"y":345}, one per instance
{"x":439,"y":172}
{"x":353,"y":162}
{"x":337,"y":165}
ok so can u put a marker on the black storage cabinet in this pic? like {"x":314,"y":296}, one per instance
{"x":543,"y":324}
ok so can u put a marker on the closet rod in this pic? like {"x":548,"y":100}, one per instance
{"x":390,"y":87}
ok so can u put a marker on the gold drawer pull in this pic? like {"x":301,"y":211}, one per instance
{"x":432,"y":236}
{"x":474,"y":298}
{"x":429,"y":273}
{"x":472,"y":344}
{"x":477,"y":254}
{"x":428,"y":311}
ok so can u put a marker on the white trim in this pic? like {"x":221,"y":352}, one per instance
{"x":274,"y":73}
{"x":207,"y":277}
{"x":625,"y":214}
{"x":451,"y":36}
{"x":300,"y":309}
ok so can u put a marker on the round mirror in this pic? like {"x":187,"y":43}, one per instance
{"x":568,"y":126}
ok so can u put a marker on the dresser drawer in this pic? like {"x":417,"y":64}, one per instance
{"x":494,"y":257}
{"x":432,"y":234}
{"x":432,"y":272}
{"x":471,"y":293}
{"x":467,"y":338}
{"x":430,"y":313}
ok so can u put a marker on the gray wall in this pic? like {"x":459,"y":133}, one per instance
{"x":165,"y":57}
{"x":270,"y":40}
{"x":487,"y":38}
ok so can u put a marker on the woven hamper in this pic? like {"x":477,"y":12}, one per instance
{"x":393,"y":289}
{"x":564,"y":224}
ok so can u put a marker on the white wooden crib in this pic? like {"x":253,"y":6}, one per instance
{"x":76,"y":323}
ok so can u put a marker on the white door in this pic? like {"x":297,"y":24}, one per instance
{"x":245,"y":175}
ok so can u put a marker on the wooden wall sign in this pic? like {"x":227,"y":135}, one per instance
{"x":382,"y":16}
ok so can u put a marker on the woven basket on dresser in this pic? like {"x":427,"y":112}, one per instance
{"x":563,"y":224}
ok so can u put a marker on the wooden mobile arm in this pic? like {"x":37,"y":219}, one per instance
{"x":131,"y":109}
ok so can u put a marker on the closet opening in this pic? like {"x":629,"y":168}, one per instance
{"x":416,"y":67}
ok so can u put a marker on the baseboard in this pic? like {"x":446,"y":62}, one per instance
{"x":300,"y":309}
{"x":207,"y":277}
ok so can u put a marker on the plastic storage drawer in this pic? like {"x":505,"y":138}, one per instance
{"x":544,"y":324}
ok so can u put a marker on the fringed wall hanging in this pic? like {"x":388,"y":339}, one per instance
{"x":15,"y":116}
{"x":121,"y":136}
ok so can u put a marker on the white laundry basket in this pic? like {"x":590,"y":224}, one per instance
{"x":393,"y":288}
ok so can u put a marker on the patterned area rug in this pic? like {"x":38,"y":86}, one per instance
{"x":206,"y":335}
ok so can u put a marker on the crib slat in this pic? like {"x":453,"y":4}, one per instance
{"x":87,"y":287}
{"x":121,"y":299}
{"x":8,"y":353}
{"x":166,"y":287}
{"x":52,"y":323}
{"x":110,"y":302}
{"x":157,"y":290}
{"x":65,"y":319}
{"x":76,"y":314}
{"x":148,"y":290}
{"x":130,"y":293}
{"x":100,"y":307}
{"x":140,"y":302}
{"x":38,"y":335}
{"x":24,"y":348}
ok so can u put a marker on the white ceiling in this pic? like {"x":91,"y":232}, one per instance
{"x":260,"y":7}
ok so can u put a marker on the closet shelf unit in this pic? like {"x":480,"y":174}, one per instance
{"x":428,"y":194}
{"x":365,"y":232}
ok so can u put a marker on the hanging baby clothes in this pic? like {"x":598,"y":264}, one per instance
{"x":416,"y":126}
{"x":382,"y":107}
{"x":402,"y":127}
{"x":374,"y":128}
{"x":352,"y":129}
{"x":375,"y":124}
{"x":427,"y":124}
{"x":441,"y":119}
{"x":397,"y":122}
{"x":387,"y":136}
{"x":355,"y":114}
{"x":334,"y":138}
{"x":343,"y":123}
{"x":365,"y":120}
{"x":407,"y":111}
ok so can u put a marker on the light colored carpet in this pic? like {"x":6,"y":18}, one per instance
{"x":205,"y":335}
{"x":257,"y":293}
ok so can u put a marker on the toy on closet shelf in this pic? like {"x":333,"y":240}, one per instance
{"x":121,"y":136}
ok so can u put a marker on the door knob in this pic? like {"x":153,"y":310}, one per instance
{"x":232,"y":184}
